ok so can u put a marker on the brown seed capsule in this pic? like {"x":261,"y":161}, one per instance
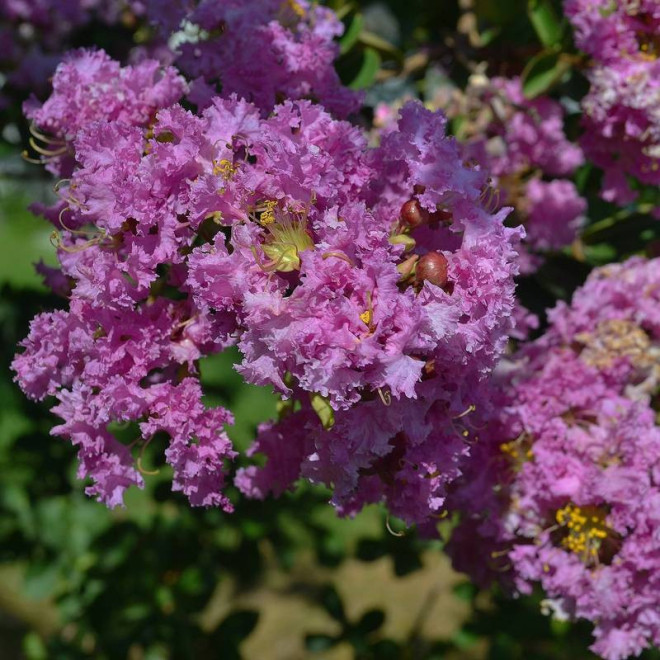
{"x":433,"y":268}
{"x":413,"y":215}
{"x":443,"y":217}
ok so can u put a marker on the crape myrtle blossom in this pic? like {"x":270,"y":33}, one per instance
{"x":622,"y":126}
{"x":350,"y":278}
{"x":532,"y":131}
{"x":265,"y":51}
{"x":165,"y":16}
{"x":35,"y":33}
{"x":563,"y":489}
{"x":89,"y":86}
{"x":621,"y":118}
{"x":405,"y":453}
{"x":421,"y":335}
{"x":522,"y":141}
{"x":56,"y":17}
{"x":611,"y":31}
{"x":104,"y":367}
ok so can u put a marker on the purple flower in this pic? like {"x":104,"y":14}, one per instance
{"x":268,"y":51}
{"x":524,"y":158}
{"x":556,"y":211}
{"x":569,"y":496}
{"x":621,"y":123}
{"x":181,"y":234}
{"x":89,"y":86}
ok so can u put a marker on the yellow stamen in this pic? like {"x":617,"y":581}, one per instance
{"x":586,"y":530}
{"x":268,"y":214}
{"x":287,"y":237}
{"x":367,"y":316}
{"x":519,"y":451}
{"x":297,"y":9}
{"x":224,"y":168}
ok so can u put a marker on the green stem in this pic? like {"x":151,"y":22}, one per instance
{"x":621,"y":216}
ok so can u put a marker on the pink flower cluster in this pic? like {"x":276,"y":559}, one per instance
{"x":266,"y":51}
{"x":369,"y":287}
{"x":89,"y":87}
{"x":422,"y":326}
{"x":621,"y":116}
{"x":34,"y":32}
{"x":564,"y":489}
{"x":523,"y":144}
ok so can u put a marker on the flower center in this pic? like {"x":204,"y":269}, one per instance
{"x":295,"y":7}
{"x":286,"y":238}
{"x":518,"y":451}
{"x":584,"y":529}
{"x":614,"y":339}
{"x":225,"y":168}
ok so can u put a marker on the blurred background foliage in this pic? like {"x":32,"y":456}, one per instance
{"x":281,"y":579}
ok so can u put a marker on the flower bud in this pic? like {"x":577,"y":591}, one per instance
{"x":406,"y":268}
{"x":433,"y":268}
{"x":403,"y":239}
{"x":413,"y":215}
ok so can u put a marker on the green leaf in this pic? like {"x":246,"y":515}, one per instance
{"x":331,"y":602}
{"x":582,"y":177}
{"x":545,"y":21}
{"x":331,"y":550}
{"x":15,"y":500}
{"x":373,"y":40}
{"x":317,"y":643}
{"x":252,"y":405}
{"x":323,"y":409}
{"x":600,"y":254}
{"x":24,"y":239}
{"x":465,"y":591}
{"x":367,"y":73}
{"x":543,"y":72}
{"x":560,"y":628}
{"x":371,"y":621}
{"x":34,"y":647}
{"x":489,"y":35}
{"x":41,"y":580}
{"x":352,"y":34}
{"x":342,"y":9}
{"x":464,"y":639}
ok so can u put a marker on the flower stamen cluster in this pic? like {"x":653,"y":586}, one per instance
{"x":585,"y":530}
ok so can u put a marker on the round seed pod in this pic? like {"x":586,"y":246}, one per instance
{"x":413,"y":215}
{"x":432,"y":267}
